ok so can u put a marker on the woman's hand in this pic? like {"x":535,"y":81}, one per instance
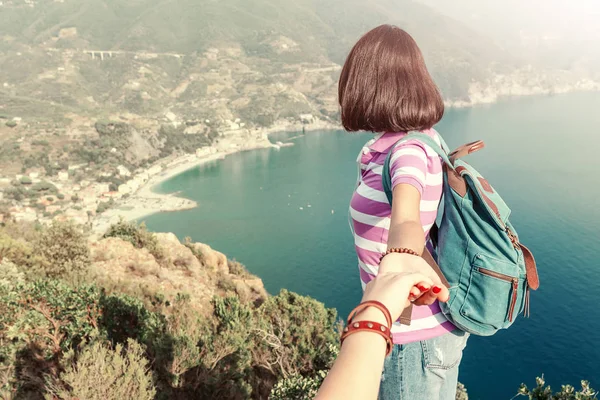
{"x":401,"y":269}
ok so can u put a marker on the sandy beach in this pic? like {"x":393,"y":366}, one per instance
{"x":145,"y":201}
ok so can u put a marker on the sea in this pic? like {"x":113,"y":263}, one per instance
{"x":283,"y":213}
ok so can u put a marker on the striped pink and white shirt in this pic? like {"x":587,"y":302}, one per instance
{"x":412,"y":163}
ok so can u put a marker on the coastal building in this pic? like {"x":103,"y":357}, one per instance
{"x":63,"y":176}
{"x":123,"y":171}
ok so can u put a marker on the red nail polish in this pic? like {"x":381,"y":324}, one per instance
{"x":422,"y":288}
{"x":436,"y":289}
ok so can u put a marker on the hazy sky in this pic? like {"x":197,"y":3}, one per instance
{"x":565,"y":19}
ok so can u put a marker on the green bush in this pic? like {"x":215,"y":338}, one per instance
{"x":60,"y":196}
{"x":567,"y":392}
{"x":64,"y":249}
{"x":225,"y":283}
{"x":17,"y":193}
{"x":44,"y":187}
{"x":238,"y":269}
{"x":101,"y":373}
{"x":125,"y":317}
{"x":194,"y":249}
{"x":461,"y":392}
{"x":304,"y":328}
{"x":11,"y":124}
{"x":110,"y":128}
{"x":39,"y":322}
{"x":17,"y":251}
{"x":298,"y":387}
{"x":25,"y":180}
{"x":103,"y":206}
{"x":138,"y":236}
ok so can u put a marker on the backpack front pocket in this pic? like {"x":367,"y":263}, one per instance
{"x":494,"y":295}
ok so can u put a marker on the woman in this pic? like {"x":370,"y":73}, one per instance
{"x":385,"y":88}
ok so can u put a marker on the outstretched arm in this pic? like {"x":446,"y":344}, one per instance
{"x":356,"y":372}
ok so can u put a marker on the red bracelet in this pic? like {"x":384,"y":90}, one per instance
{"x":370,"y":326}
{"x":401,"y":250}
{"x":371,"y":303}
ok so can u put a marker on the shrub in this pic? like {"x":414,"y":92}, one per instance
{"x":178,"y":351}
{"x":138,"y":236}
{"x":10,"y":274}
{"x":75,"y":198}
{"x":64,"y":248}
{"x":461,"y":392}
{"x":236,"y":268}
{"x":225,"y":283}
{"x":298,"y":387}
{"x":102,"y":373}
{"x":103,"y":206}
{"x":11,"y":124}
{"x":225,"y":352}
{"x":60,"y":196}
{"x":39,"y":322}
{"x":44,"y":187}
{"x":302,"y":330}
{"x":16,"y":193}
{"x":25,"y":180}
{"x":125,"y":317}
{"x":190,"y":245}
{"x":17,"y":251}
{"x":567,"y":392}
{"x":114,"y":129}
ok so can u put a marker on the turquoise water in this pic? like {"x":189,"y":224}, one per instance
{"x":541,"y":156}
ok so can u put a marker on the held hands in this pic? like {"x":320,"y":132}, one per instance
{"x":402,"y":279}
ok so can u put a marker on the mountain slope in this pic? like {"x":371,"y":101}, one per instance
{"x":319,"y":31}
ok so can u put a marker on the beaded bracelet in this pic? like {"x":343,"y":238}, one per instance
{"x":370,"y":326}
{"x":400,"y":250}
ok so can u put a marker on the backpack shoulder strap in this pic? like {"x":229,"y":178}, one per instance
{"x":442,"y":151}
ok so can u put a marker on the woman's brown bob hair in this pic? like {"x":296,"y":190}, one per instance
{"x":385,"y":85}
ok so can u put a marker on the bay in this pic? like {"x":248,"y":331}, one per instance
{"x":283,"y":213}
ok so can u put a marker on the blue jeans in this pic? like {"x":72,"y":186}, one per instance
{"x":426,"y":370}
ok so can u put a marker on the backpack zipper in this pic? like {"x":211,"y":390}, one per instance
{"x":506,"y":278}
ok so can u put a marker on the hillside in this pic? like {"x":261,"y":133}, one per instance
{"x":195,"y":324}
{"x":262,"y":36}
{"x":137,"y":315}
{"x":98,"y":95}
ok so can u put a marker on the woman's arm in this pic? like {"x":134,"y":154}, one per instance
{"x":406,"y":230}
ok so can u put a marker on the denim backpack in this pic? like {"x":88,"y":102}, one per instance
{"x":488,"y":271}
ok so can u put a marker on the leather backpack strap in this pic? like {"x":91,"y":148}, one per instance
{"x":433,"y":264}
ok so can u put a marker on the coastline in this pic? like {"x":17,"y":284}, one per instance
{"x":145,"y":201}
